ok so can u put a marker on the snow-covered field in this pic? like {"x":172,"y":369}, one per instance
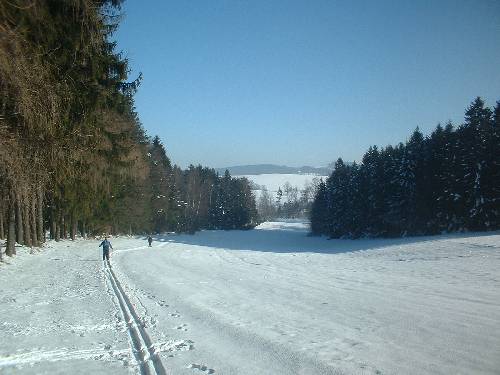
{"x":273,"y":182}
{"x":267,"y":301}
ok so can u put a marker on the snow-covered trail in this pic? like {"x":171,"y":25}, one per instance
{"x":274,"y":301}
{"x":57,"y":314}
{"x":267,"y":301}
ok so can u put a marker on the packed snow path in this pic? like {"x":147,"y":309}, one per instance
{"x":138,"y":336}
{"x":267,"y":301}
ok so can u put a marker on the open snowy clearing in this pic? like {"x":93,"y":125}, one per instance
{"x":272,"y":182}
{"x":275,"y":181}
{"x":266,"y":301}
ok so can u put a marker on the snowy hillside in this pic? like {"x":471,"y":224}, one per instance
{"x":254,"y":169}
{"x":274,"y":181}
{"x":267,"y":301}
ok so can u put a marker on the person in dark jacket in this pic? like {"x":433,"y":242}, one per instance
{"x":106,"y":245}
{"x":150,"y":240}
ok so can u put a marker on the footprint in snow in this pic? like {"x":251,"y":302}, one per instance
{"x":150,"y":296}
{"x":201,"y":368}
{"x":182,"y":327}
{"x":174,"y":346}
{"x":147,"y":321}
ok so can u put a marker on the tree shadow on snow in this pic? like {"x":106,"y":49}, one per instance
{"x":296,"y":241}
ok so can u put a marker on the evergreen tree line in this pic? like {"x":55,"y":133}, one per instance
{"x":197,"y":198}
{"x":448,"y":181}
{"x":74,"y":157}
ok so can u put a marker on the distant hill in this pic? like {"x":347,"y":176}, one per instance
{"x":257,"y":169}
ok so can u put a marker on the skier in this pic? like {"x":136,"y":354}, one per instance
{"x":106,"y":245}
{"x":150,"y":240}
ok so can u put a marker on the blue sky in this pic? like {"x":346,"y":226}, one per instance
{"x":305,"y":82}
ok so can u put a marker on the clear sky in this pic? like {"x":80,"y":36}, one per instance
{"x":304,"y":82}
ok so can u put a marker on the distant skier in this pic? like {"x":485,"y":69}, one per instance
{"x":106,"y":245}
{"x":150,"y":240}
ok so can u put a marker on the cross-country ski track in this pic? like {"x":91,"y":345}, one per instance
{"x":142,"y":346}
{"x":268,"y":301}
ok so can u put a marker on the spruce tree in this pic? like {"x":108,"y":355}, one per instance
{"x":319,"y":211}
{"x":448,"y":181}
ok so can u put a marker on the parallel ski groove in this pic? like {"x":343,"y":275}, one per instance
{"x":134,"y":336}
{"x":137,"y":332}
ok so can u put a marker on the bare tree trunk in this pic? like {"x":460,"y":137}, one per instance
{"x":64,"y":226}
{"x":198,"y":206}
{"x":57,"y":225}
{"x":52,"y":223}
{"x":19,"y":221}
{"x":84,"y":229}
{"x":61,"y":225}
{"x":27,"y":223}
{"x":39,"y":212}
{"x":2,"y":218}
{"x":73,"y":227}
{"x":34,"y":231}
{"x":11,"y":236}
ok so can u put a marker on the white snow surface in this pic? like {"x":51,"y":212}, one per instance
{"x":266,"y":301}
{"x":273,"y":182}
